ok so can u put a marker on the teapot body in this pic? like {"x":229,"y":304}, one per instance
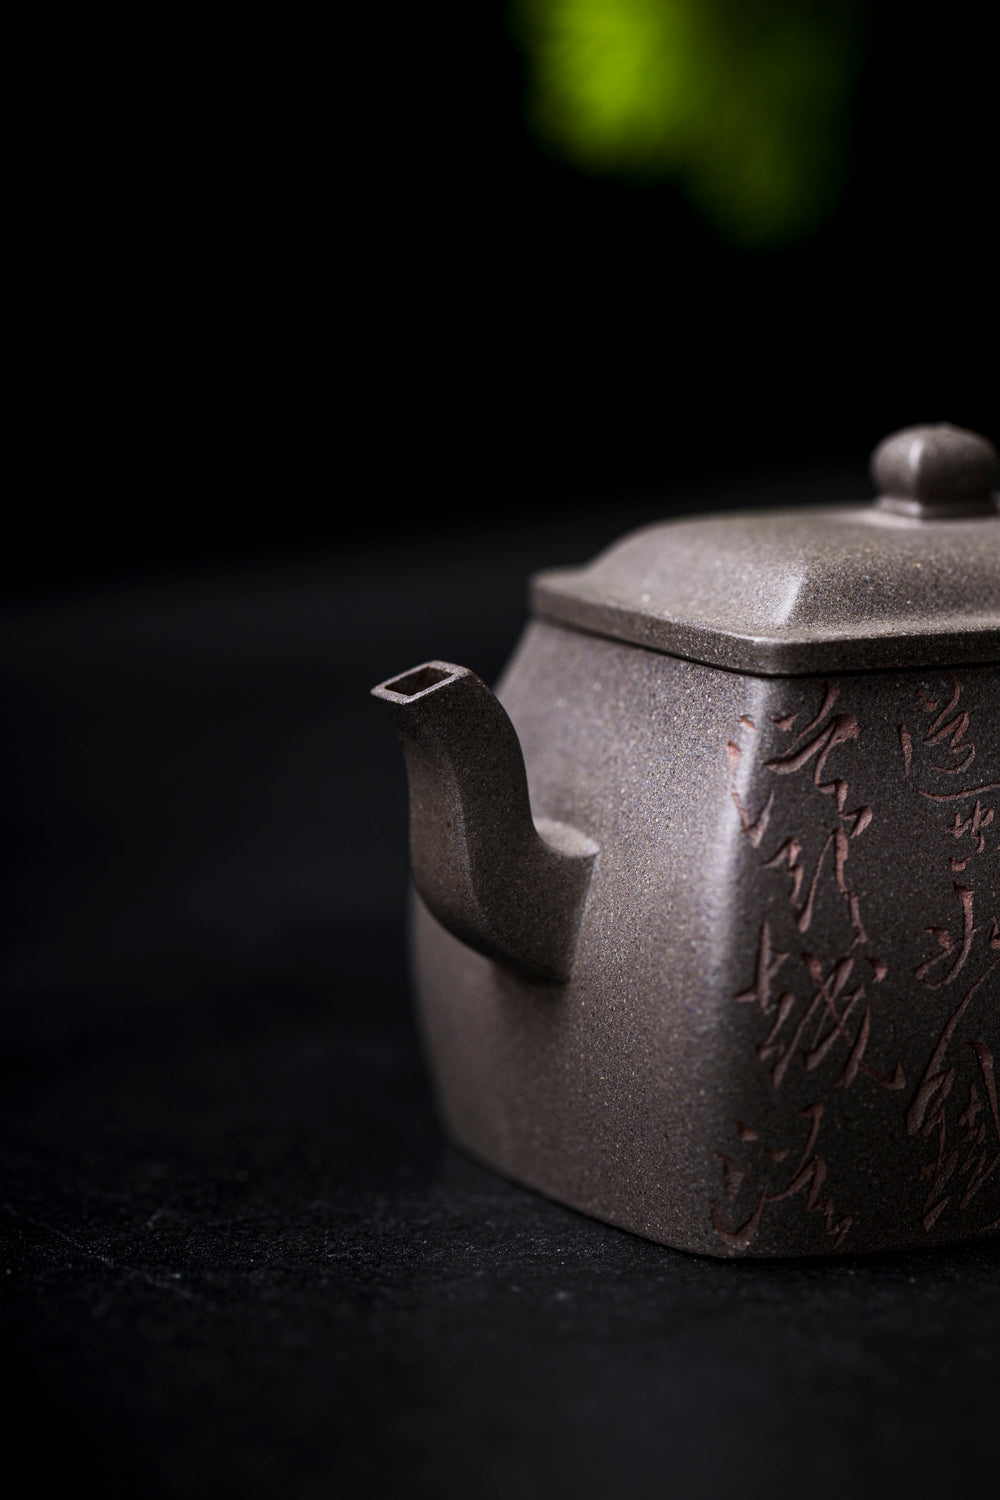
{"x":781,"y":1033}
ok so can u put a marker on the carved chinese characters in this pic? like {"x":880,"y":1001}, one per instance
{"x":866,"y":1010}
{"x":815,"y":991}
{"x":954,"y":1109}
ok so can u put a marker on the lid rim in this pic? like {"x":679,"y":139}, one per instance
{"x":796,"y":654}
{"x":793,"y":591}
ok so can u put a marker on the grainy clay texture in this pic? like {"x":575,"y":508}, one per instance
{"x":782,"y":1029}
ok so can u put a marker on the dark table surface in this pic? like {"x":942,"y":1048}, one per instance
{"x":238,"y":1255}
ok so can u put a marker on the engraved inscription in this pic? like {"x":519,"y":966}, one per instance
{"x":806,"y":1181}
{"x":954,"y":1108}
{"x":815,"y":985}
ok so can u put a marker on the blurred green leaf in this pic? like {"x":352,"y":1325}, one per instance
{"x":745,"y":104}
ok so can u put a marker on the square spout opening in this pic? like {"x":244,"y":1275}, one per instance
{"x":417,"y":681}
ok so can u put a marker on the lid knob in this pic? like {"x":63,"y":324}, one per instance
{"x":936,"y":472}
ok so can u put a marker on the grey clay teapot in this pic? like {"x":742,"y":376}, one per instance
{"x":707,"y":938}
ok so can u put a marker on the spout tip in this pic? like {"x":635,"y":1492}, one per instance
{"x":418,"y":681}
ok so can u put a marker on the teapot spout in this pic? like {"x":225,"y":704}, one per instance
{"x":507,"y":887}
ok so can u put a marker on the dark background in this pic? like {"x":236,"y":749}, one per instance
{"x":302,"y":282}
{"x":322,"y":396}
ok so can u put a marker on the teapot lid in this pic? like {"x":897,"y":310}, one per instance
{"x":910,"y":580}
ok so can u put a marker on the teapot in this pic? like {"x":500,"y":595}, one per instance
{"x":706,"y":934}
